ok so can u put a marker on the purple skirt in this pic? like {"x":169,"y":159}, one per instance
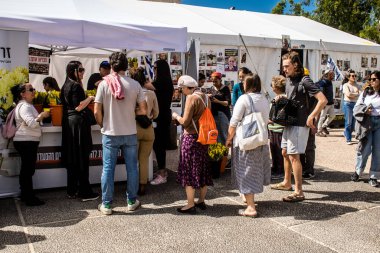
{"x":193,"y":168}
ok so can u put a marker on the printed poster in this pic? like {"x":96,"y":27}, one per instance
{"x":230,"y":60}
{"x":39,"y":60}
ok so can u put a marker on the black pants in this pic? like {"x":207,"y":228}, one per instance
{"x":308,"y":159}
{"x":276,"y":152}
{"x":28,"y":154}
{"x":161,"y":140}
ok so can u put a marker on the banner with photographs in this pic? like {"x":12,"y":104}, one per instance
{"x":39,"y":60}
{"x":230,"y":59}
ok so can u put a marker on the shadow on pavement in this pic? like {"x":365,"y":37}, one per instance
{"x":17,"y":238}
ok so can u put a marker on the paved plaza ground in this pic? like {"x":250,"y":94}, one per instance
{"x":338,"y":216}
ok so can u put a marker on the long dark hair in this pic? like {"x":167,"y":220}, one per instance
{"x":16,"y":92}
{"x":163,"y":76}
{"x":369,"y":90}
{"x":72,"y":69}
{"x":139,"y":76}
{"x":51,"y":82}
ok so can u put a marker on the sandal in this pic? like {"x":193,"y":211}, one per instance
{"x":242,"y":213}
{"x":280,"y":187}
{"x":294,"y":197}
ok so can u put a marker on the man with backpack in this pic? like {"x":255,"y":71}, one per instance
{"x":299,"y":88}
{"x":328,"y":90}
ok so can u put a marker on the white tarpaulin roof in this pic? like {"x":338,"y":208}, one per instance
{"x":222,"y":27}
{"x":157,"y":26}
{"x":91,"y":23}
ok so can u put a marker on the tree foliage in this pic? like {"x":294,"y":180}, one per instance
{"x":358,"y":17}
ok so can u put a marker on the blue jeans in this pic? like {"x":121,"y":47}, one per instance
{"x":349,"y":120}
{"x":371,"y":144}
{"x":111,"y":147}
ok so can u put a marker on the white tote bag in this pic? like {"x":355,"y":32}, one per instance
{"x":252,"y":131}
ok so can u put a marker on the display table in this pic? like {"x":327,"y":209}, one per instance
{"x":49,"y":169}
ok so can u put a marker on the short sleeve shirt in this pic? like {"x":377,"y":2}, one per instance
{"x":119,"y":115}
{"x":306,"y":89}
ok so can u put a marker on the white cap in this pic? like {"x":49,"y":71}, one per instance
{"x":187,"y":81}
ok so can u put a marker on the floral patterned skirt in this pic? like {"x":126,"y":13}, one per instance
{"x":193,"y":168}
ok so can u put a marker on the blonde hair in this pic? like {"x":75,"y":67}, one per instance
{"x":279,"y":82}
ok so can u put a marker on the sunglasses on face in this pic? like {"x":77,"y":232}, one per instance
{"x":81,"y":69}
{"x":352,"y":75}
{"x":31,"y":89}
{"x":373,"y":79}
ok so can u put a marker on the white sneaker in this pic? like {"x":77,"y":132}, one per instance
{"x":105,"y":209}
{"x":134,"y":206}
{"x":159,"y":180}
{"x":349,"y":143}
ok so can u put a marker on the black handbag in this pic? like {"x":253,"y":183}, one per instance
{"x":143,"y":121}
{"x":88,"y":116}
{"x":284,"y":112}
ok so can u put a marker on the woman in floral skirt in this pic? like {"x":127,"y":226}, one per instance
{"x":193,"y":169}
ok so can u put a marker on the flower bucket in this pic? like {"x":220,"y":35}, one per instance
{"x":91,"y":106}
{"x":223,"y":163}
{"x":56,"y":114}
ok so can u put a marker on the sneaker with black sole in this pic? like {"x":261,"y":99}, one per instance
{"x":89,"y":196}
{"x":133,"y":205}
{"x":355,"y":177}
{"x":308,"y":175}
{"x":373,"y":182}
{"x":325,"y":131}
{"x":105,"y":209}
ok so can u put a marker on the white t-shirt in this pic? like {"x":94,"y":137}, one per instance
{"x":119,"y":115}
{"x":374,"y":100}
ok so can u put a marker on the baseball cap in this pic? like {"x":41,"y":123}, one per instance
{"x":216,"y":74}
{"x":105,"y":65}
{"x":187,"y":81}
{"x":324,"y":72}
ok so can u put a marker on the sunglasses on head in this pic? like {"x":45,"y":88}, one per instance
{"x":81,"y":69}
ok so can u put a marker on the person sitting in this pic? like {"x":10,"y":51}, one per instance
{"x":96,"y":78}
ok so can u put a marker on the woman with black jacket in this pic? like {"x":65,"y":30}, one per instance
{"x":76,"y":134}
{"x":164,"y":91}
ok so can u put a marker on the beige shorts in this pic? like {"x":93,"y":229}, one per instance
{"x":294,"y":139}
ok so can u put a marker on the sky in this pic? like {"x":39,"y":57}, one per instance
{"x":249,"y":5}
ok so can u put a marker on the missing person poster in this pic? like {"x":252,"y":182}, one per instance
{"x":39,"y":60}
{"x":230,"y":56}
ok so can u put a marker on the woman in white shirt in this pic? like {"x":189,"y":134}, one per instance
{"x":351,"y":94}
{"x":251,"y":168}
{"x":369,"y":101}
{"x":27,"y":138}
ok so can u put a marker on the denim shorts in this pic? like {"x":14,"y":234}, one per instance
{"x":294,"y":139}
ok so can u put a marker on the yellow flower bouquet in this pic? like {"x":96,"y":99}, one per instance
{"x":217,"y":151}
{"x":8,"y":79}
{"x":54,"y":97}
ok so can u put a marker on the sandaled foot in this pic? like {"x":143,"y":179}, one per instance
{"x":294,"y":197}
{"x":280,"y":187}
{"x":242,"y":212}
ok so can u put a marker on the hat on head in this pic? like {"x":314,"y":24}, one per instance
{"x":187,"y":81}
{"x":326,"y":71}
{"x":105,"y":65}
{"x":217,"y":74}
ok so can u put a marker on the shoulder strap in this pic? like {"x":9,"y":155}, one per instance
{"x":252,"y":106}
{"x":205,"y":104}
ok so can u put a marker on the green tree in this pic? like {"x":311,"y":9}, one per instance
{"x":358,"y":17}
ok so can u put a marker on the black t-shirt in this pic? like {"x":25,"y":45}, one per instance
{"x":92,"y":80}
{"x":306,"y":89}
{"x":223,"y":94}
{"x":328,"y":90}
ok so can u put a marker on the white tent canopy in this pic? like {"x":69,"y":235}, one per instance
{"x":90,"y":23}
